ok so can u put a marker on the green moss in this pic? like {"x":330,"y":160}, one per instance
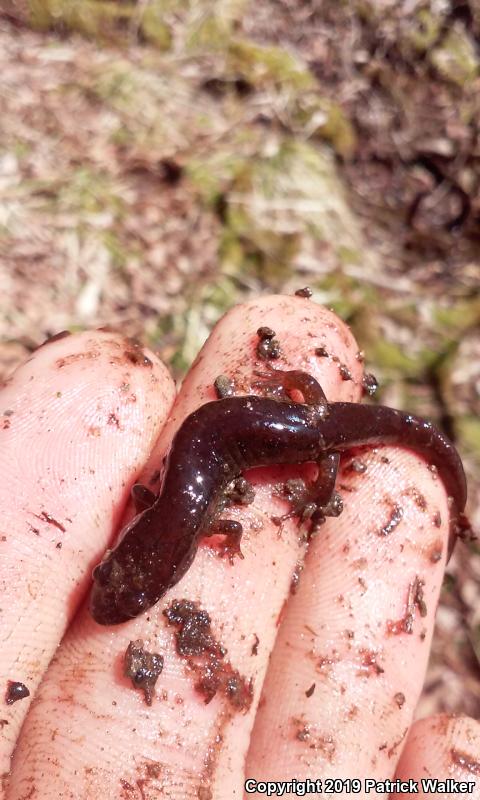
{"x":347,"y":296}
{"x":90,"y":192}
{"x":93,"y":18}
{"x":117,"y":84}
{"x":422,"y":31}
{"x":338,"y":131}
{"x":210,"y":33}
{"x":191,"y":333}
{"x":405,"y":314}
{"x":259,"y":252}
{"x":368,"y":11}
{"x":107,"y":19}
{"x":456,"y":58}
{"x":349,"y":255}
{"x":393,"y":360}
{"x":169,"y":337}
{"x":117,"y":250}
{"x":152,"y":109}
{"x":217,"y":297}
{"x":180,"y":336}
{"x":231,"y":251}
{"x":21,"y":148}
{"x":207,"y":26}
{"x":188,"y":332}
{"x":148,"y":98}
{"x":122,"y":137}
{"x":154,"y":28}
{"x":204,"y":309}
{"x":277,"y":199}
{"x":263,"y":66}
{"x":296,"y":91}
{"x":214,"y":175}
{"x":468,"y":431}
{"x":455,"y":319}
{"x":198,"y":25}
{"x":45,"y":14}
{"x":323,"y":119}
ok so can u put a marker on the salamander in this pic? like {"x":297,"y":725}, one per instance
{"x":213,"y":446}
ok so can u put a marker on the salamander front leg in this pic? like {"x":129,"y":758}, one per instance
{"x":232,"y":530}
{"x":142,"y":497}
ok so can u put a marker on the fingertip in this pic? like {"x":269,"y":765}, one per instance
{"x":309,"y":336}
{"x":442,"y":748}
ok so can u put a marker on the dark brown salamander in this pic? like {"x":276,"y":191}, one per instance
{"x":213,"y":446}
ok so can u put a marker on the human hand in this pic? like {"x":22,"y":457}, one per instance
{"x":340,"y":675}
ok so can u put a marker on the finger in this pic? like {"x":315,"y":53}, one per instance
{"x":440,"y":754}
{"x":79,"y":419}
{"x":182,"y":745}
{"x":350,"y":658}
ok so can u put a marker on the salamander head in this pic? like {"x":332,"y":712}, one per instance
{"x":113,"y":598}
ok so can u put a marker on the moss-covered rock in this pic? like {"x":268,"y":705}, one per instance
{"x":281,"y":202}
{"x":193,"y":26}
{"x":154,"y":28}
{"x":395,"y":360}
{"x":295,"y":97}
{"x":456,"y":57}
{"x":203,"y":27}
{"x":452,"y":320}
{"x":421,"y":31}
{"x":264,"y":66}
{"x":468,"y":432}
{"x":86,"y":191}
{"x":320,"y":118}
{"x":192,"y":31}
{"x":102,"y":19}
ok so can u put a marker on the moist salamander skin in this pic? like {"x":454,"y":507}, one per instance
{"x":213,"y":446}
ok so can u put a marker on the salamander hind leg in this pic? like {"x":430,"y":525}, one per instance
{"x":329,"y":503}
{"x":281,"y":384}
{"x":318,"y":500}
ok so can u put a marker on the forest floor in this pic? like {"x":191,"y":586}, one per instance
{"x":160,"y":161}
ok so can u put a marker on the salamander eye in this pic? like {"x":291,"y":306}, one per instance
{"x":102,"y":572}
{"x":133,"y":603}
